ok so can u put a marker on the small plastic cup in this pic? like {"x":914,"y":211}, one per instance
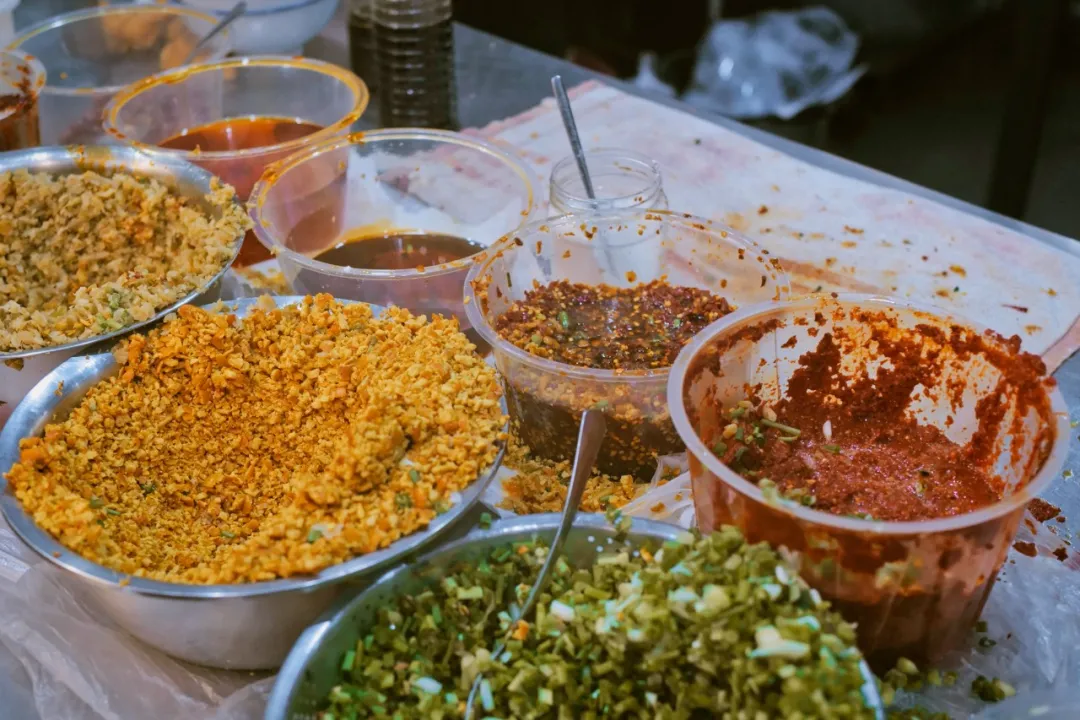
{"x":163,"y":106}
{"x":21,"y":79}
{"x":91,"y":54}
{"x":546,"y":398}
{"x":915,"y":589}
{"x":623,"y":181}
{"x":428,"y":181}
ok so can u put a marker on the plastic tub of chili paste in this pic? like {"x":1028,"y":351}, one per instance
{"x":589,"y":311}
{"x":889,"y":448}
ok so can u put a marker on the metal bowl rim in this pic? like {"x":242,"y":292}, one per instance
{"x":27,"y":421}
{"x":180,"y":171}
{"x":310,"y":643}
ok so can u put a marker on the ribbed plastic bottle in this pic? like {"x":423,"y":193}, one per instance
{"x":414,"y":45}
{"x":362,"y":42}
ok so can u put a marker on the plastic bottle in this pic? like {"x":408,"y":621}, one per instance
{"x":414,"y":45}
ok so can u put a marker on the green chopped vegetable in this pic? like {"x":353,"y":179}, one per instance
{"x":414,"y":475}
{"x":96,"y":502}
{"x":713,"y":627}
{"x":834,"y":449}
{"x":981,"y":626}
{"x":314,"y":534}
{"x":792,"y":431}
{"x":228,"y":534}
{"x":991,"y":690}
{"x":485,"y":521}
{"x":403,"y":500}
{"x":564,"y":319}
{"x":111,"y":511}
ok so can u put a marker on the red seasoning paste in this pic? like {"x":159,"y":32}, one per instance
{"x":602,"y":327}
{"x":854,"y":450}
{"x":841,"y":440}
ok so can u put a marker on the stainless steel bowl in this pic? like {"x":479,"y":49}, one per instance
{"x":243,"y":627}
{"x":314,"y":665}
{"x":188,"y":180}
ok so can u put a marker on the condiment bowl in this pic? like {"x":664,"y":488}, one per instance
{"x":915,"y":588}
{"x":22,"y":77}
{"x":314,"y":665}
{"x":411,"y":180}
{"x":164,"y":106}
{"x":91,"y":54}
{"x":22,"y":370}
{"x":272,"y":26}
{"x":545,"y":397}
{"x":241,"y":627}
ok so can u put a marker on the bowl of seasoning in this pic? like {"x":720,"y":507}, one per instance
{"x":889,"y":447}
{"x":91,"y":54}
{"x":237,"y":116}
{"x":99,"y":242}
{"x":645,"y":622}
{"x":213,"y":485}
{"x":392,"y":217}
{"x":589,"y":311}
{"x":21,"y":79}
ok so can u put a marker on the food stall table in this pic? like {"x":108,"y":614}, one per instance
{"x":497,"y":80}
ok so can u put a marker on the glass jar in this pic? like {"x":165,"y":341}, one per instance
{"x":622,"y":180}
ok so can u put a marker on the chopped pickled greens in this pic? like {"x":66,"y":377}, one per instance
{"x":713,"y":627}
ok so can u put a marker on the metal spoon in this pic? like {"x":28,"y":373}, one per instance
{"x":563,"y":101}
{"x":567,"y":113}
{"x":238,"y":9}
{"x":590,"y":437}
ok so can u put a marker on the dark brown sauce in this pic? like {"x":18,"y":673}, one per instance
{"x":399,"y":250}
{"x":242,"y":133}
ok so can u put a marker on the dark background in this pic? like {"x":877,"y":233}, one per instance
{"x":949,"y":80}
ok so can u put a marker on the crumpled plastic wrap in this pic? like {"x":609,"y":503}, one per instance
{"x":59,"y":661}
{"x":775,"y":64}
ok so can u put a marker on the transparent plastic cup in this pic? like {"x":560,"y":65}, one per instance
{"x":623,"y":181}
{"x":915,"y":589}
{"x":21,"y":79}
{"x":428,"y":181}
{"x":91,"y":54}
{"x":545,"y":398}
{"x":163,"y":106}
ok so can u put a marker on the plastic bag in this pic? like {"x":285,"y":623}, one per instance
{"x":778,"y":63}
{"x":60,"y":661}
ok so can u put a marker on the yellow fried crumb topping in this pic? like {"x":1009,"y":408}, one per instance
{"x":228,"y":450}
{"x":86,"y":254}
{"x":540,"y":485}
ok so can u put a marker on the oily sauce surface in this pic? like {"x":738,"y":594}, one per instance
{"x":399,"y":250}
{"x":241,"y":133}
{"x":600,"y":326}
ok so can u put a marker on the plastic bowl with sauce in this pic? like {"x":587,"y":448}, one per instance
{"x":22,"y":78}
{"x":391,"y":217}
{"x":915,"y":588}
{"x":237,"y":116}
{"x":91,"y":54}
{"x":546,"y":397}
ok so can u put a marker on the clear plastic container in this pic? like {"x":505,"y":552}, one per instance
{"x":915,"y":589}
{"x":278,"y":27}
{"x":163,"y":106}
{"x":91,"y":54}
{"x":412,"y":180}
{"x":546,"y":398}
{"x":623,"y":181}
{"x":1043,"y":705}
{"x":21,"y":79}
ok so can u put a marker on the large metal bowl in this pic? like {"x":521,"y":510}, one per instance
{"x":314,"y":665}
{"x":247,"y":626}
{"x":21,"y":370}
